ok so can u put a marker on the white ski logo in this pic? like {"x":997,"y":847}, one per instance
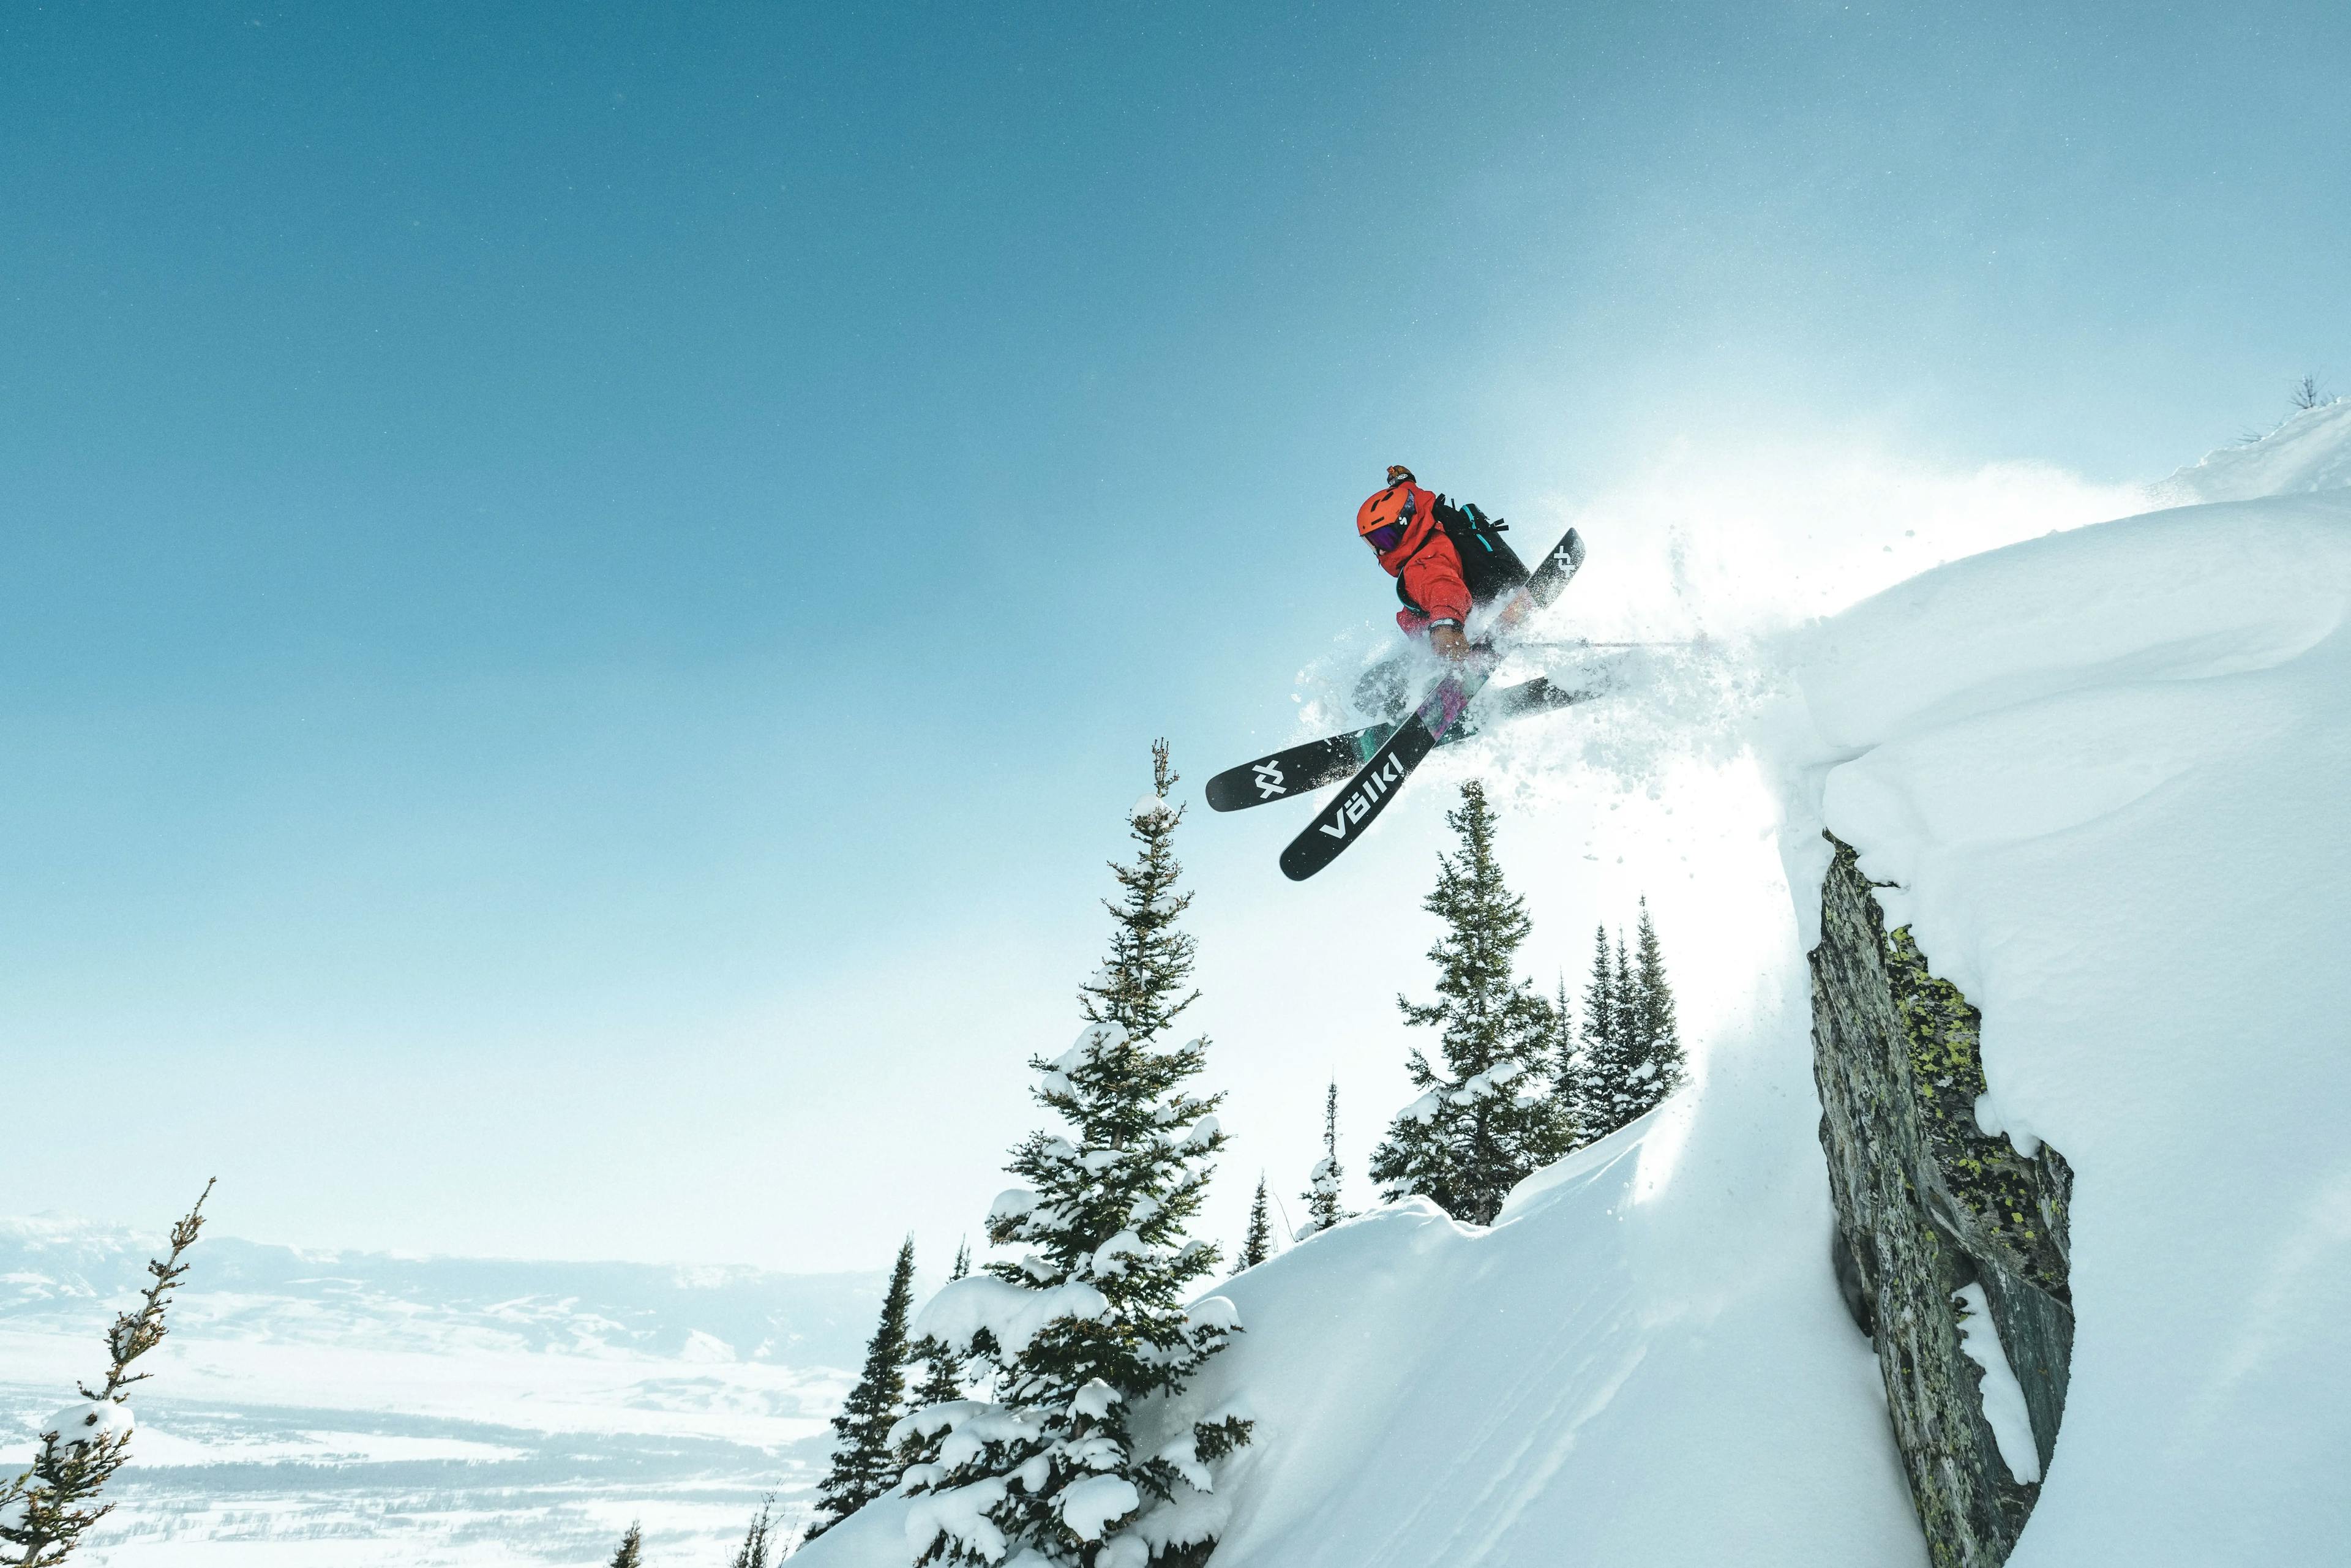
{"x":1358,"y":803}
{"x":1268,"y":780}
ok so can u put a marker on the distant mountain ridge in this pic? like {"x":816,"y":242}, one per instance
{"x":57,"y":1272}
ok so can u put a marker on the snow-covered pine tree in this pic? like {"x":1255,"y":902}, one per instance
{"x":1573,"y":1085}
{"x":1636,"y":1061}
{"x":1092,"y":1321}
{"x":1660,"y":1066}
{"x":1629,"y":1006}
{"x":45,"y":1509}
{"x":1258,"y":1245}
{"x":942,"y":1385}
{"x":1489,"y":1117}
{"x":1606,"y":1049}
{"x":962,"y":1262}
{"x":1599,"y":1002}
{"x":1322,"y":1208}
{"x":865,"y":1462}
{"x":632,"y":1553}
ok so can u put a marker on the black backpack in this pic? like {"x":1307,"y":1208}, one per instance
{"x":1488,"y":566}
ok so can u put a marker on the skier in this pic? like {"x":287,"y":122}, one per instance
{"x":1446,"y":559}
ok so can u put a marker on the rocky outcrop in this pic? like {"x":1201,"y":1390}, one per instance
{"x":1929,"y":1205}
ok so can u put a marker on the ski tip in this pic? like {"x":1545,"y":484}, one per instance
{"x":1551,"y":578}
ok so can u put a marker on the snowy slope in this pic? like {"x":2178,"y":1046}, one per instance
{"x":1643,"y":1362}
{"x":2107,"y":769}
{"x":2310,"y":451}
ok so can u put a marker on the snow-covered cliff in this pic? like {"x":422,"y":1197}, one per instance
{"x":2100,"y":778}
{"x":2104,"y":774}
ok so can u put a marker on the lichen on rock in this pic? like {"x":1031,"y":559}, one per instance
{"x":2016,"y":1202}
{"x":1927,"y":1203}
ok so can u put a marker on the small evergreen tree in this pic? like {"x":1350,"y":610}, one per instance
{"x":45,"y":1510}
{"x":1607,"y":1044}
{"x":962,"y":1262}
{"x":1600,"y":996}
{"x":1572,"y":1086}
{"x":1323,"y":1209}
{"x":1662,"y":1067}
{"x":1258,"y":1245}
{"x":865,"y":1461}
{"x":1092,"y":1320}
{"x":1635,"y":1059}
{"x":1491,"y":1117}
{"x":1597,"y":1059}
{"x":631,"y":1551}
{"x":1629,"y":1005}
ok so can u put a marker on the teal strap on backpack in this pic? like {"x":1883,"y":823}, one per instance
{"x":1466,"y":523}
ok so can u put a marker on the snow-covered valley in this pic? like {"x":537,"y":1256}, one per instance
{"x":318,"y":1410}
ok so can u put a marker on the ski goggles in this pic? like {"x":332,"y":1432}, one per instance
{"x":1386,"y":536}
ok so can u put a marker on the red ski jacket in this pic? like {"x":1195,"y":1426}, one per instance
{"x":1404,"y":517}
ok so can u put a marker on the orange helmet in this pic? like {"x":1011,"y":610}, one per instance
{"x":1383,"y":519}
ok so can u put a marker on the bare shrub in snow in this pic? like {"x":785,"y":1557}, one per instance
{"x":753,"y":1553}
{"x":2304,"y":393}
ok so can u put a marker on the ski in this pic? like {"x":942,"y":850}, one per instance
{"x":1309,"y":766}
{"x":1342,"y":821}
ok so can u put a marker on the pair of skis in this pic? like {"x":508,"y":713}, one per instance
{"x":1310,"y":765}
{"x":1383,"y":755}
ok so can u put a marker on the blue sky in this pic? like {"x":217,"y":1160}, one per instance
{"x":585,"y":586}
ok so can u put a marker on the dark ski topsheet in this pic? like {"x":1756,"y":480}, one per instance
{"x":1342,"y":821}
{"x":1295,"y":769}
{"x":1305,"y":767}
